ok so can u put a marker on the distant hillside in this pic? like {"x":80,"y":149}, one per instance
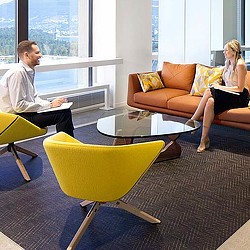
{"x":44,"y":12}
{"x":7,"y":10}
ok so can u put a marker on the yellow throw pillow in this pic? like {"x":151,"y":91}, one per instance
{"x":150,"y":81}
{"x":203,"y":77}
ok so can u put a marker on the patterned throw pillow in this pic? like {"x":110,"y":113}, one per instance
{"x":150,"y":81}
{"x":203,"y":77}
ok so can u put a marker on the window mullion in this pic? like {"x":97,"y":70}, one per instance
{"x":90,"y":47}
{"x":21,"y":22}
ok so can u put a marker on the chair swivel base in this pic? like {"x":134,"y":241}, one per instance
{"x":93,"y":211}
{"x":14,"y":149}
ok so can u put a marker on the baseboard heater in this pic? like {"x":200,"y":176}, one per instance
{"x":85,"y":98}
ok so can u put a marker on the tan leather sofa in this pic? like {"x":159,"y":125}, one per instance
{"x":175,"y":98}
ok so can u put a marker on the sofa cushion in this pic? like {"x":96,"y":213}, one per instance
{"x":186,"y":103}
{"x":204,"y":76}
{"x":150,"y":81}
{"x":178,"y":76}
{"x":158,"y":98}
{"x":241,"y":115}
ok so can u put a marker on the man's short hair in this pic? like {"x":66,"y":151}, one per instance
{"x":25,"y":46}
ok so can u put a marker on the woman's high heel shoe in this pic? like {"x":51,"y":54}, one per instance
{"x":205,"y":143}
{"x":191,"y":123}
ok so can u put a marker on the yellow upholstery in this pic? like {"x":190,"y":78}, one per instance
{"x":99,"y":173}
{"x":14,"y":128}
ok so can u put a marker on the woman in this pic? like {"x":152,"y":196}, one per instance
{"x":216,"y":98}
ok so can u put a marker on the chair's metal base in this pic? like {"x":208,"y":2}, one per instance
{"x":85,"y":203}
{"x":14,"y":149}
{"x":93,"y":211}
{"x":136,"y":211}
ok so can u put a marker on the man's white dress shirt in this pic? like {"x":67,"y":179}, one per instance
{"x":18,"y":93}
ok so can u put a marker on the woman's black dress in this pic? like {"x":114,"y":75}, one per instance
{"x":224,"y":100}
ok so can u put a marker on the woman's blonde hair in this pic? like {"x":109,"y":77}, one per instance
{"x":236,"y":47}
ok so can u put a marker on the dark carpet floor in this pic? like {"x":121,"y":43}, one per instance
{"x":201,"y":199}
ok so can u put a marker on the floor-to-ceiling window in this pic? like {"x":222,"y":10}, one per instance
{"x":60,"y":28}
{"x":7,"y":31}
{"x":55,"y":26}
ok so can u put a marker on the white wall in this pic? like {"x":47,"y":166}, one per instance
{"x":104,"y":28}
{"x":171,"y":31}
{"x":229,"y":20}
{"x":184,"y":31}
{"x":197,"y":32}
{"x":122,"y":28}
{"x":223,"y":22}
{"x":104,"y":42}
{"x":133,"y":41}
{"x":217,"y":42}
{"x":190,"y":29}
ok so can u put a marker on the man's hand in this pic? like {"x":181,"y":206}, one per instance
{"x":58,"y":102}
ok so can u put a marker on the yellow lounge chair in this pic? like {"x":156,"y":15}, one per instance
{"x":14,"y":128}
{"x":99,"y":174}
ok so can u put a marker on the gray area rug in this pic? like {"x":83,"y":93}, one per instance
{"x":201,"y":199}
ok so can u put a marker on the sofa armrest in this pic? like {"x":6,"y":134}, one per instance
{"x":134,"y":86}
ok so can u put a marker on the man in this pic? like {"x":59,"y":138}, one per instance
{"x":18,"y":94}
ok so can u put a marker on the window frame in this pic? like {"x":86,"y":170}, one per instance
{"x":22,"y":29}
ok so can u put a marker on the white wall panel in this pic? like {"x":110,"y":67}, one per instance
{"x":171,"y":31}
{"x":229,"y":20}
{"x":217,"y":42}
{"x":104,"y":28}
{"x":133,"y":42}
{"x":198,"y":30}
{"x":122,"y":28}
{"x":184,"y":31}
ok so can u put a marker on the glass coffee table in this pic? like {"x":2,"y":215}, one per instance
{"x":124,"y":127}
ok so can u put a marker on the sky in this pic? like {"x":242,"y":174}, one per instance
{"x":5,"y":1}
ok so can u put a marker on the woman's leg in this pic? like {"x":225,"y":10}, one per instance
{"x":207,"y":121}
{"x":201,"y":107}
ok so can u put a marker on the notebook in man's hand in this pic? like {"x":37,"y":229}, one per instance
{"x":65,"y":105}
